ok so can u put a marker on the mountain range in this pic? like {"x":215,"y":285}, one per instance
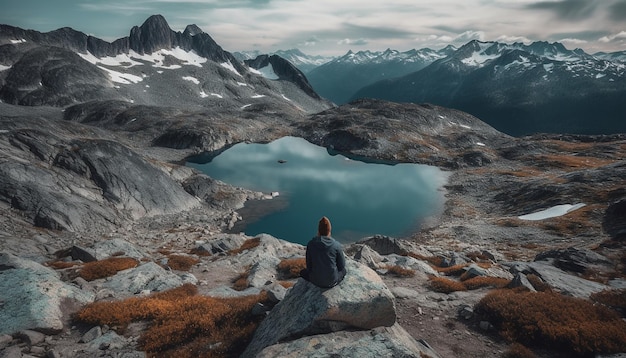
{"x":153,"y":66}
{"x":520,"y":89}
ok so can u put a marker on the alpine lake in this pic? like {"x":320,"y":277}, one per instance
{"x":361,"y":197}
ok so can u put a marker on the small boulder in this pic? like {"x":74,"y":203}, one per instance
{"x":360,"y":301}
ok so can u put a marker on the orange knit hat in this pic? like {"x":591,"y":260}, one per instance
{"x":323,"y":228}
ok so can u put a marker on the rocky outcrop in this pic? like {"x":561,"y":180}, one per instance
{"x":558,"y":279}
{"x":284,"y":70}
{"x":33,"y":297}
{"x":361,"y":301}
{"x":614,"y":222}
{"x":91,"y":182}
{"x":391,"y":341}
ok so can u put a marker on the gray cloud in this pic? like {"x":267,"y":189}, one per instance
{"x":617,"y":11}
{"x":568,"y":9}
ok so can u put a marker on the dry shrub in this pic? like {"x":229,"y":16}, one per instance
{"x":613,"y":298}
{"x":240,"y":283}
{"x":485,"y":281}
{"x":400,"y":271}
{"x":477,"y":256}
{"x":455,"y":270}
{"x":433,"y":260}
{"x":60,"y":265}
{"x":247,"y":245}
{"x":183,"y":323}
{"x":538,"y":283}
{"x":199,"y":252}
{"x":517,"y":350}
{"x":120,"y":313}
{"x":181,"y":262}
{"x":287,"y":284}
{"x":290,"y":268}
{"x":446,"y":285}
{"x":105,"y":268}
{"x":554,"y":321}
{"x":164,"y":251}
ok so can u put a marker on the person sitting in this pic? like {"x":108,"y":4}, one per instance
{"x":325,"y":261}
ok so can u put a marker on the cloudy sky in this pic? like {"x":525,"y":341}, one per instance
{"x":332,"y":27}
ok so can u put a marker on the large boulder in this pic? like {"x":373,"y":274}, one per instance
{"x":145,"y":278}
{"x":391,"y":341}
{"x":33,"y":297}
{"x":360,"y":302}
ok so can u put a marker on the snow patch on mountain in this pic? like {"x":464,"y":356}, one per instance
{"x":4,"y":68}
{"x":555,"y":211}
{"x":229,"y":66}
{"x":267,"y":72}
{"x":191,"y":79}
{"x":157,"y":59}
{"x":123,"y":78}
{"x":20,"y":41}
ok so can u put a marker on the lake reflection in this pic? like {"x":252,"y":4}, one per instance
{"x":360,"y":199}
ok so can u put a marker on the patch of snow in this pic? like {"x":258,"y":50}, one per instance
{"x":268,"y":72}
{"x":480,"y":144}
{"x":4,"y":68}
{"x":2,"y":131}
{"x":555,"y":211}
{"x":441,"y":117}
{"x":123,"y":59}
{"x":285,"y":97}
{"x":132,"y":120}
{"x":192,"y":79}
{"x":465,"y":126}
{"x":21,"y":41}
{"x":241,"y":84}
{"x":229,"y":66}
{"x":217,"y":95}
{"x":478,"y":59}
{"x":275,"y":194}
{"x":147,"y":86}
{"x":245,"y":106}
{"x":188,"y":57}
{"x":258,"y":96}
{"x":548,"y":67}
{"x":159,"y":72}
{"x":157,"y":58}
{"x":600,"y":75}
{"x":124,"y":78}
{"x":203,"y":94}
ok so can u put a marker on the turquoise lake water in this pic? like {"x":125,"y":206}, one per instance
{"x":360,"y":198}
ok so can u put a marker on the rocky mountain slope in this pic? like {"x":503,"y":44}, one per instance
{"x":520,"y":89}
{"x":94,"y":177}
{"x":338,"y":79}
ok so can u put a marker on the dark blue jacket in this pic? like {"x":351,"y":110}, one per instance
{"x":325,"y":261}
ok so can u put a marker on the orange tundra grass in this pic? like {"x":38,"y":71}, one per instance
{"x":105,"y":268}
{"x":291,"y":268}
{"x":182,"y":323}
{"x":554,"y":321}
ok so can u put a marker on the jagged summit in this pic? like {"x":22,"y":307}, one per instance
{"x":192,"y":30}
{"x":154,"y":66}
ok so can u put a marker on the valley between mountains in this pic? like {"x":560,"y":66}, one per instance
{"x":93,"y":140}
